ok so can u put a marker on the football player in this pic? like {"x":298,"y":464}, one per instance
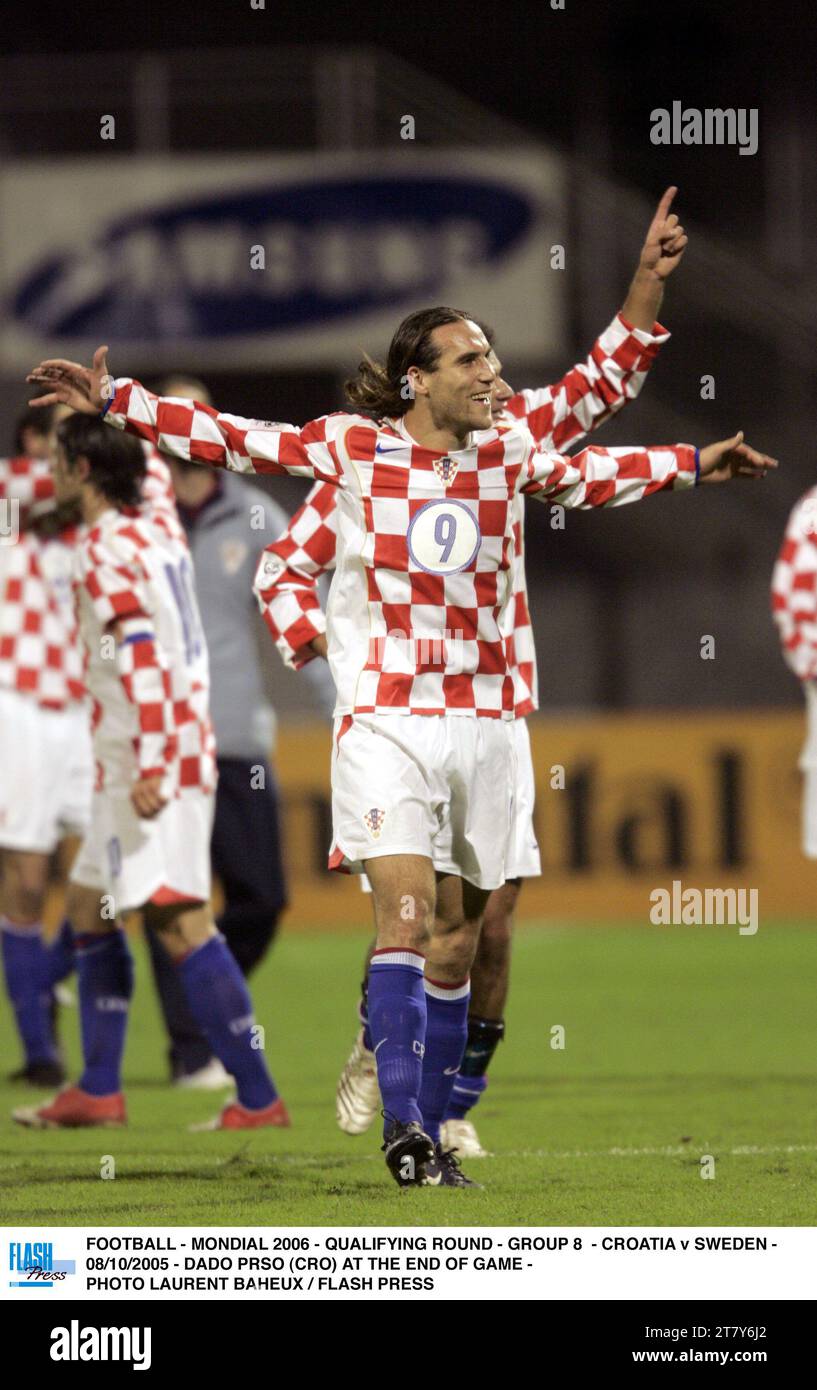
{"x":558,"y":417}
{"x":794,"y":608}
{"x":148,"y":842}
{"x":46,"y":765}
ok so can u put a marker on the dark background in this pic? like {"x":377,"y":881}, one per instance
{"x":620,"y":599}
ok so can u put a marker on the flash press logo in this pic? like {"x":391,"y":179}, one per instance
{"x":32,"y":1265}
{"x":75,"y":1343}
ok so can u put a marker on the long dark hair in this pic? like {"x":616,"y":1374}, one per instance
{"x":39,"y":418}
{"x":117,"y":460}
{"x":377,"y":390}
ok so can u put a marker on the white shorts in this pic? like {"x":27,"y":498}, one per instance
{"x":46,"y":773}
{"x":522,"y":859}
{"x":163,"y":860}
{"x":433,"y":785}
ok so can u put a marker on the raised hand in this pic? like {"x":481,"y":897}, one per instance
{"x":85,"y":389}
{"x":731,"y":458}
{"x":666,"y":240}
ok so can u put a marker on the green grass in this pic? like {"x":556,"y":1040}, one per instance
{"x":680,"y":1041}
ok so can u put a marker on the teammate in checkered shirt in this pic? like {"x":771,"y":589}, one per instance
{"x":46,"y":766}
{"x":794,"y":607}
{"x":148,"y":843}
{"x":426,"y":512}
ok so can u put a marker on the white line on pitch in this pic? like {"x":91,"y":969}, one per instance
{"x":665,"y":1151}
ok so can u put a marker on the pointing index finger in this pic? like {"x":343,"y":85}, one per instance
{"x":665,"y":203}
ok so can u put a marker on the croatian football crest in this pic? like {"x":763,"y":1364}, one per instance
{"x":446,"y":469}
{"x":373,"y":821}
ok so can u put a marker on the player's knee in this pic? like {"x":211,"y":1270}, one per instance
{"x":24,"y":886}
{"x":497,"y":923}
{"x":456,"y":938}
{"x":84,"y":910}
{"x":24,"y":902}
{"x":407,"y":921}
{"x":461,"y":958}
{"x":184,"y":931}
{"x":416,"y":931}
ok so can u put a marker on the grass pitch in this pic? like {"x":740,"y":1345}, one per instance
{"x":679,"y":1042}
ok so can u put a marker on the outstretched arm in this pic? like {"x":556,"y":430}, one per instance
{"x":286,"y":582}
{"x":187,"y":429}
{"x":613,"y":477}
{"x":616,"y":368}
{"x":663,"y":250}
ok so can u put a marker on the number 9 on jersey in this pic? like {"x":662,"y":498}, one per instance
{"x":443,"y":537}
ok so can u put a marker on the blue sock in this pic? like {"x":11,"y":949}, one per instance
{"x":60,"y":958}
{"x":105,"y":983}
{"x":465,"y":1093}
{"x":484,"y":1036}
{"x":24,"y":956}
{"x":220,"y":1003}
{"x":363,"y":1015}
{"x":446,"y":1036}
{"x":397,"y":1018}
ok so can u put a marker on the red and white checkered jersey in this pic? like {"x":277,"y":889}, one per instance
{"x":158,"y":504}
{"x":151,"y":688}
{"x":40,"y":653}
{"x":287,"y":579}
{"x":559,"y":416}
{"x":25,"y":482}
{"x":425,"y":545}
{"x":794,"y":589}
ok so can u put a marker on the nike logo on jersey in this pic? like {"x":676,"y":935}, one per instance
{"x":450,"y":1071}
{"x":398,"y":449}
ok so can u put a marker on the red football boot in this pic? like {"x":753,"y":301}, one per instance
{"x":235,"y":1116}
{"x":75,"y":1109}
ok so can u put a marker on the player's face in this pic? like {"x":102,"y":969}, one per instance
{"x":459,"y":389}
{"x":501,"y":392}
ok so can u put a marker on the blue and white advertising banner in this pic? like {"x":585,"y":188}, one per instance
{"x":289,"y":261}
